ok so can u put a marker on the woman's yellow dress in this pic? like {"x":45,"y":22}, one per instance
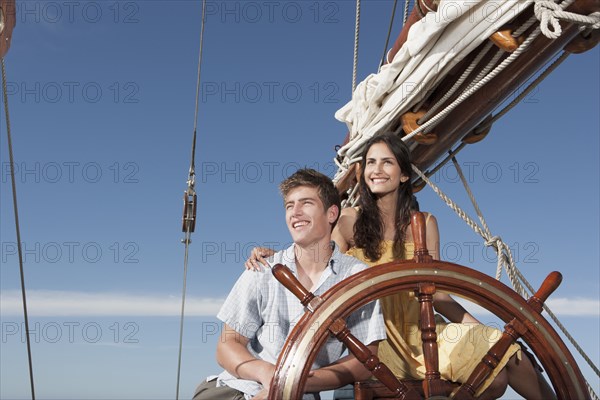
{"x":460,"y":346}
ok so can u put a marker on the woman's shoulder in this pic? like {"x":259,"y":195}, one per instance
{"x":429,"y":217}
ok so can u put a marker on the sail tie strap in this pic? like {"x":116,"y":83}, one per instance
{"x":549,"y":12}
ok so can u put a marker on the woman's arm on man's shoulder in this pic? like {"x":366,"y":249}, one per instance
{"x":343,"y":232}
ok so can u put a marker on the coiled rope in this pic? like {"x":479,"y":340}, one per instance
{"x":549,"y":12}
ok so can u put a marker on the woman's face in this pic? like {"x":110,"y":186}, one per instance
{"x":382,"y":172}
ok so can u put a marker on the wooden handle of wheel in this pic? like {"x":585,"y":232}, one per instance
{"x":419,"y":232}
{"x":550,"y":284}
{"x":287,"y":279}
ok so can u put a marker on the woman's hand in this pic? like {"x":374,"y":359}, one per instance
{"x":257,"y":257}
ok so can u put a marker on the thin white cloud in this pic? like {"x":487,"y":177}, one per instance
{"x":47,"y":303}
{"x":578,"y":306}
{"x":571,"y":307}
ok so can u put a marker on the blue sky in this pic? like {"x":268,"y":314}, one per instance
{"x":101,"y":95}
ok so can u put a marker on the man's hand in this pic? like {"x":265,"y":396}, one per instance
{"x":265,"y":377}
{"x":257,"y":257}
{"x":265,"y":374}
{"x":262,"y":395}
{"x":342,"y":372}
{"x":233,"y":355}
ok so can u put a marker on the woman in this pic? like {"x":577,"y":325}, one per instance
{"x":377,"y":232}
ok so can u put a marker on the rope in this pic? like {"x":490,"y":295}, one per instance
{"x":451,"y":154}
{"x":458,"y":82}
{"x":475,"y":206}
{"x":528,"y":90}
{"x":356,"y":37}
{"x":17,"y":227}
{"x":190,"y":192}
{"x":405,"y":13}
{"x":495,"y":241}
{"x":512,"y":271}
{"x":473,"y":88}
{"x":477,"y":86}
{"x":505,"y":257}
{"x":548,"y":13}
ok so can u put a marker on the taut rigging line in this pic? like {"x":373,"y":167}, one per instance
{"x":189,"y":201}
{"x":18,"y":230}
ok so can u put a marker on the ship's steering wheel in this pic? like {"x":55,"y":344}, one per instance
{"x":424,"y":276}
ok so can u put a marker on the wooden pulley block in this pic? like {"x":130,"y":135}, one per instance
{"x":583,"y":42}
{"x":410,"y":123}
{"x":478,"y":133}
{"x":504,"y":39}
{"x":418,"y":186}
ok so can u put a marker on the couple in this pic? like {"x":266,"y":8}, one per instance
{"x":259,"y":312}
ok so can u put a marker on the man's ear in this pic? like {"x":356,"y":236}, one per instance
{"x":332,"y":213}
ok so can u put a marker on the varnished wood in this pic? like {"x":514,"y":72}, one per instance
{"x":418,"y":186}
{"x":583,"y":42}
{"x":384,"y":280}
{"x":512,"y":331}
{"x":478,"y":133}
{"x":410,"y":124}
{"x":550,"y":284}
{"x":417,"y":13}
{"x":339,"y":329}
{"x":432,"y":384}
{"x":419,"y":232}
{"x":369,"y":360}
{"x":9,"y":15}
{"x":504,"y":40}
{"x":371,"y":390}
{"x":470,"y":113}
{"x":466,"y":116}
{"x":287,"y":279}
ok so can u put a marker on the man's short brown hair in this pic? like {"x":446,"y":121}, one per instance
{"x":309,"y":177}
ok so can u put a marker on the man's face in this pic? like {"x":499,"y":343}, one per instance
{"x":306,"y":217}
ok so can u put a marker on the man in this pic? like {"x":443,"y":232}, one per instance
{"x":259,"y":312}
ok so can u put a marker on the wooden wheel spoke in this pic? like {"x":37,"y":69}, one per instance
{"x":432,"y":385}
{"x":368,"y":359}
{"x":417,"y":226}
{"x":512,"y":332}
{"x":339,"y":329}
{"x":384,"y":280}
{"x":425,"y":277}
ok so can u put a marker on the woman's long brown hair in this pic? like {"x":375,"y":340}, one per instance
{"x":368,"y":229}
